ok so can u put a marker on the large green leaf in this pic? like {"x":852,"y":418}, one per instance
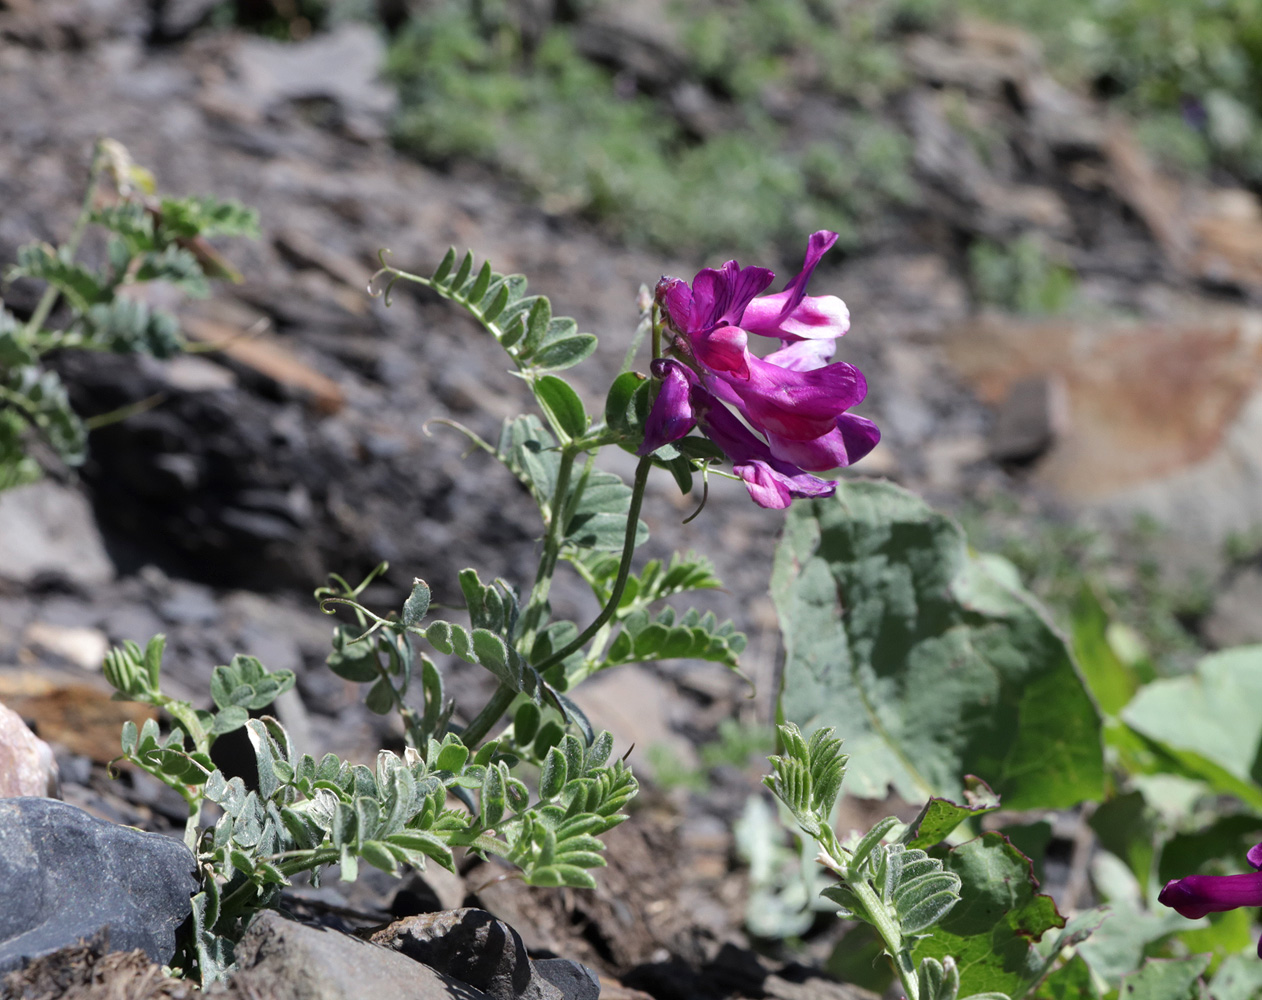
{"x":1166,"y":980}
{"x":1214,"y":712}
{"x":928,"y":661}
{"x":989,"y":932}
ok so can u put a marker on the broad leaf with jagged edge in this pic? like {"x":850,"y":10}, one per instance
{"x":1000,"y":912}
{"x":940,"y":817}
{"x":523,"y":325}
{"x":931,"y":663}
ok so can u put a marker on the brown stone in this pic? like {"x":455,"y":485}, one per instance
{"x":79,"y":716}
{"x":1144,"y":400}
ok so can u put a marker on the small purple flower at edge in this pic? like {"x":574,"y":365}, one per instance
{"x":793,"y":397}
{"x":1196,"y":895}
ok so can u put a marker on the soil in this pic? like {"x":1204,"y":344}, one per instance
{"x":223,"y":506}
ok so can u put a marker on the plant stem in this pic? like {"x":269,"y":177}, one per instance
{"x":475,"y":732}
{"x":876,"y":914}
{"x":535,"y":608}
{"x":624,"y":570}
{"x":71,"y":246}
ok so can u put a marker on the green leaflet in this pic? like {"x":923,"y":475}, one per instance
{"x":989,"y":932}
{"x":929,"y":663}
{"x":1214,"y":714}
{"x":523,"y":325}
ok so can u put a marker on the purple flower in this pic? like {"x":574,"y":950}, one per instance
{"x":1196,"y":895}
{"x":793,"y":397}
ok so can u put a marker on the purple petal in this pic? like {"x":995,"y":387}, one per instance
{"x":799,"y":405}
{"x":671,"y":416}
{"x":1254,"y":857}
{"x":723,"y":350}
{"x":1197,"y":895}
{"x":675,"y":297}
{"x":860,"y":434}
{"x":721,"y":296}
{"x":803,"y":355}
{"x":775,"y":490}
{"x":790,"y":314}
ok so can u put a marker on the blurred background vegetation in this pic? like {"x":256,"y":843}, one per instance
{"x":709,"y":154}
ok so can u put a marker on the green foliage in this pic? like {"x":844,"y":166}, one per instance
{"x":147,"y":242}
{"x":1188,"y":71}
{"x":305,"y":815}
{"x":999,"y":914}
{"x":931,"y":663}
{"x":1021,"y":278}
{"x":958,"y":919}
{"x":473,"y":87}
{"x":1209,"y":721}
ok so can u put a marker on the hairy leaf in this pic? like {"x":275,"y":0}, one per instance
{"x":930,"y":664}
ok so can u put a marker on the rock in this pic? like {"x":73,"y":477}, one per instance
{"x":271,"y":73}
{"x":173,"y":19}
{"x":189,"y":604}
{"x":473,"y":946}
{"x":27,"y":766}
{"x":630,"y":703}
{"x":82,"y":972}
{"x":48,"y":529}
{"x":575,"y":981}
{"x":1166,"y":417}
{"x":284,"y":960}
{"x":65,"y":875}
{"x":1028,"y":421}
{"x":1234,"y":620}
{"x":80,"y":716}
{"x":428,"y":892}
{"x":81,"y":645}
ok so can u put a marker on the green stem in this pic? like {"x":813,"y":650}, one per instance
{"x":624,"y":570}
{"x":194,"y":817}
{"x":875,"y":912}
{"x":536,"y":607}
{"x":71,"y":246}
{"x":475,"y":732}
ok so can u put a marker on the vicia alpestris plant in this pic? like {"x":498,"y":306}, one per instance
{"x":461,"y":783}
{"x":149,"y":239}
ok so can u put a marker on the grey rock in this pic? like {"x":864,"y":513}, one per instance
{"x":473,"y":946}
{"x":1236,"y":619}
{"x":189,"y":604}
{"x":574,"y":980}
{"x":274,"y":72}
{"x":176,"y":18}
{"x":66,"y":875}
{"x":1029,"y":420}
{"x":284,"y":960}
{"x":46,"y":528}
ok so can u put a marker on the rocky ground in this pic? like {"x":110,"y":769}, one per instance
{"x":301,"y":446}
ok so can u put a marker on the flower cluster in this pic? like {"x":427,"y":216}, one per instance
{"x":793,"y":397}
{"x":1196,"y":895}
